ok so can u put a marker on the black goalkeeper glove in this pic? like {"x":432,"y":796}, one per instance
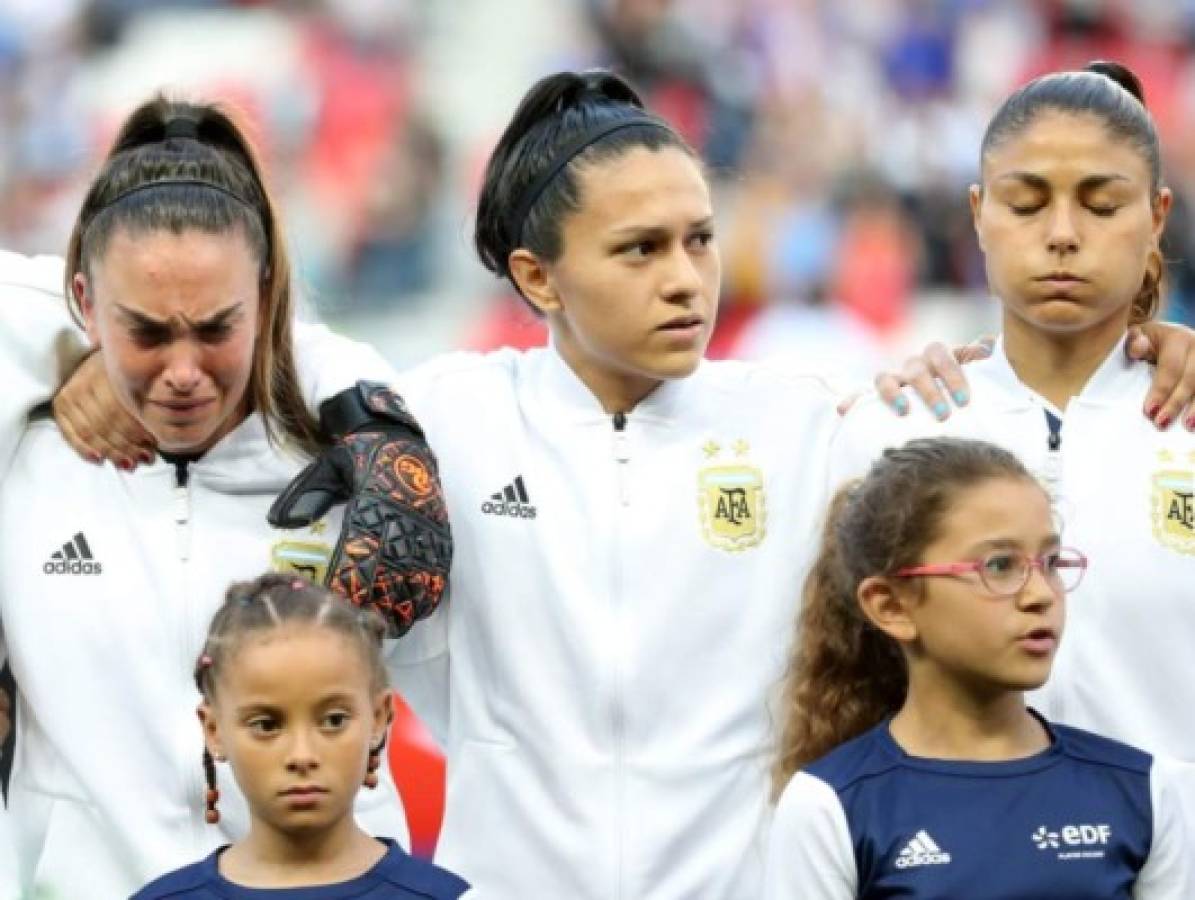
{"x":395,"y":546}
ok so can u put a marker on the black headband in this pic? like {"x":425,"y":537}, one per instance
{"x":197,"y":182}
{"x":514,"y":222}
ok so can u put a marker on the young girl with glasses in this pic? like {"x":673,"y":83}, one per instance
{"x":909,"y":764}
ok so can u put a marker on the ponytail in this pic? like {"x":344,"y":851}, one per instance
{"x":844,"y":676}
{"x":1148,"y":301}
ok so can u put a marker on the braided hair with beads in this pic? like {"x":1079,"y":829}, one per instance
{"x":273,"y":601}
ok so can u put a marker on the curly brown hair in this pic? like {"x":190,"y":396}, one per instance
{"x":844,"y":675}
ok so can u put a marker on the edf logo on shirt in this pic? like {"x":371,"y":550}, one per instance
{"x":1073,"y":836}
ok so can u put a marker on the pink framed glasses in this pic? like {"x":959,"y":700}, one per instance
{"x":1005,"y":572}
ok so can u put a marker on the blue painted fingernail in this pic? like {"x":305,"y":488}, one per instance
{"x":901,"y":404}
{"x":960,"y":397}
{"x":940,"y":409}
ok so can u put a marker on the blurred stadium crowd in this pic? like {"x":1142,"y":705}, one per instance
{"x":841,"y":137}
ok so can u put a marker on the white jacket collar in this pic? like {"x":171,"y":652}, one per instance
{"x":564,"y":393}
{"x":1116,"y":376}
{"x":240,"y":462}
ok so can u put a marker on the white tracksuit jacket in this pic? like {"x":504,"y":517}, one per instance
{"x":1124,"y":492}
{"x":621,"y":605}
{"x":107,"y":785}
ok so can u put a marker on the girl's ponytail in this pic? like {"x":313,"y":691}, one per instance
{"x":844,"y":675}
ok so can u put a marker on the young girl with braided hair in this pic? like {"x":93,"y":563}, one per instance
{"x":296,"y":700}
{"x":909,"y":764}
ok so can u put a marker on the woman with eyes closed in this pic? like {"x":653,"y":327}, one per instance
{"x":1069,"y":211}
{"x":108,"y":576}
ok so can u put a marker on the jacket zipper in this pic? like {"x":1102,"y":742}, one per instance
{"x":181,"y":502}
{"x":622,"y":458}
{"x":1053,"y":469}
{"x":182,"y":511}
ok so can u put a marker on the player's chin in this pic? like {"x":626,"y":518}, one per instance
{"x":1067,"y":315}
{"x":674,"y":364}
{"x":174,"y":438}
{"x":1029,"y":675}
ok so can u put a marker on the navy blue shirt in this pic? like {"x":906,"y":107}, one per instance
{"x":396,"y":876}
{"x":1075,"y":821}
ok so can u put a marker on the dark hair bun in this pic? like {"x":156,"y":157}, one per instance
{"x":609,"y":86}
{"x":1121,"y":74}
{"x":555,"y":94}
{"x":555,"y":109}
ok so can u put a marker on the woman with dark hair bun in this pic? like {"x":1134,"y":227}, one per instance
{"x":628,"y":536}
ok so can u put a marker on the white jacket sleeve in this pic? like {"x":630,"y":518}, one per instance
{"x":328,"y":363}
{"x":39,"y":343}
{"x":1169,"y":872}
{"x":867,"y":428}
{"x":809,"y":848}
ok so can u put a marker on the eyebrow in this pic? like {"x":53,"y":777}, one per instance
{"x":255,"y":707}
{"x":220,"y":317}
{"x":1090,"y":183}
{"x":337,"y":697}
{"x":1051,"y":540}
{"x":262,"y":706}
{"x":650,"y":230}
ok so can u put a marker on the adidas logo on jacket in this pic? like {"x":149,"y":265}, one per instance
{"x":75,"y":558}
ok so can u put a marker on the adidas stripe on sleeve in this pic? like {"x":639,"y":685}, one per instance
{"x":810,"y":853}
{"x":1169,"y":873}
